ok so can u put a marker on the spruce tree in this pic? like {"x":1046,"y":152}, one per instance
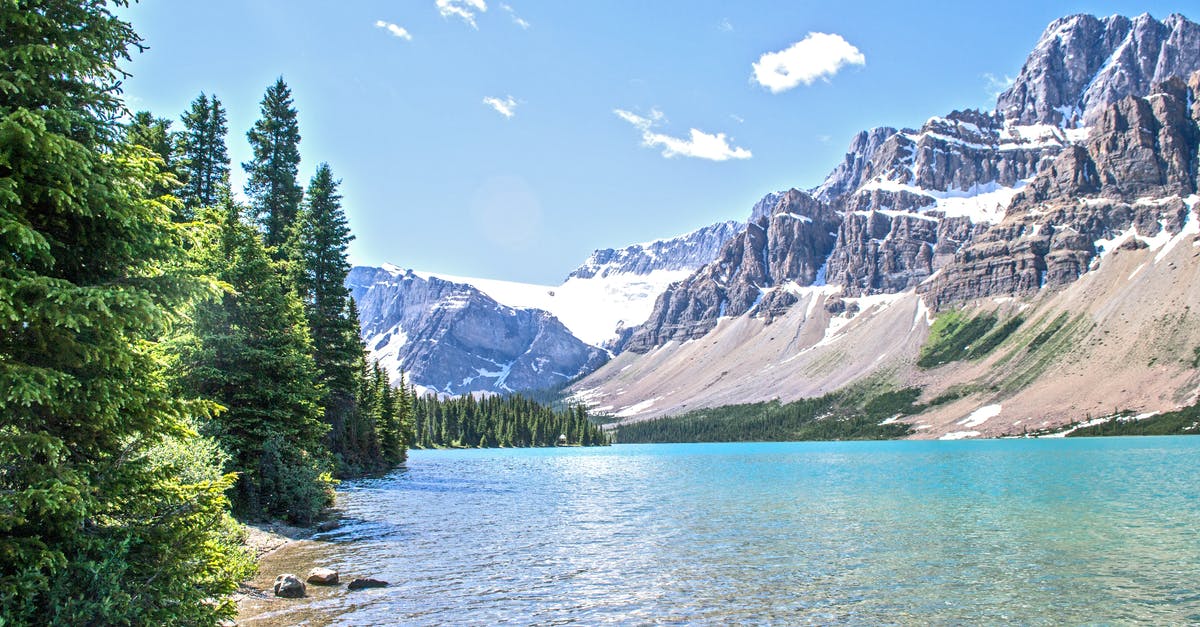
{"x":250,"y":352}
{"x":97,"y":525}
{"x":274,"y":194}
{"x":204,"y":159}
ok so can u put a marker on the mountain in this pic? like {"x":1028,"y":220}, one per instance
{"x":454,"y":335}
{"x":452,"y":338}
{"x":1028,"y":226}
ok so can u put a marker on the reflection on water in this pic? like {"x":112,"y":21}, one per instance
{"x":1016,"y":531}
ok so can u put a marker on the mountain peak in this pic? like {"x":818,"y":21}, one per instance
{"x":1083,"y":63}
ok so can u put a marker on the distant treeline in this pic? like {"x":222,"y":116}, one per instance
{"x":1184,"y":421}
{"x":844,"y":415}
{"x":500,"y":421}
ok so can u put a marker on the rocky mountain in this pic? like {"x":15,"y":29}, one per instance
{"x":1092,"y":152}
{"x":455,"y":335}
{"x":902,"y":204}
{"x":1083,"y":63}
{"x":451,"y":338}
{"x":686,"y":252}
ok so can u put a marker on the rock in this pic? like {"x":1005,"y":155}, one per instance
{"x":686,"y":252}
{"x":322,"y":577}
{"x":366,"y":582}
{"x":791,"y":243}
{"x":328,"y":525}
{"x":1136,"y":167}
{"x":289,"y":586}
{"x":1083,"y":63}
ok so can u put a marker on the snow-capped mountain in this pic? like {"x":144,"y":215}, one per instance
{"x":452,"y":338}
{"x":1092,"y":151}
{"x":457,"y":334}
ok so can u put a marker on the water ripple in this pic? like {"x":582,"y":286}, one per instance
{"x":1013,"y":532}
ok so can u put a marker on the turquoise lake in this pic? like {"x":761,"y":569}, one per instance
{"x":1034,"y":532}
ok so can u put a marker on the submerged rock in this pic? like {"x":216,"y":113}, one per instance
{"x":323,"y":577}
{"x":366,"y":582}
{"x":289,"y":586}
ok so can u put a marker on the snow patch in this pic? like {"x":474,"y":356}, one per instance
{"x":980,"y":416}
{"x":959,"y":435}
{"x":637,"y":408}
{"x":592,"y":309}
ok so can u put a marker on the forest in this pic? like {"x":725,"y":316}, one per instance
{"x":501,"y":421}
{"x":857,"y":413}
{"x":172,"y":354}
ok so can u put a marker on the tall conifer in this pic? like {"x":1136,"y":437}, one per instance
{"x":274,"y":193}
{"x":204,"y":158}
{"x":251,"y":353}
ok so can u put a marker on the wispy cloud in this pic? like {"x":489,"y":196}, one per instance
{"x":515,"y":18}
{"x":506,"y":107}
{"x":395,"y":29}
{"x":819,"y":55}
{"x":464,"y":9}
{"x":736,"y":118}
{"x":725,"y":26}
{"x":997,"y":85}
{"x":698,"y":144}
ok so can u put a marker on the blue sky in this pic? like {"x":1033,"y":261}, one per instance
{"x":510,"y":142}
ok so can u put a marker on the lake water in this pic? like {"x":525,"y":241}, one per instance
{"x":980,"y":532}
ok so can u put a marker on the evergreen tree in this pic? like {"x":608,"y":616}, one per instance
{"x":251,"y":353}
{"x":274,"y":194}
{"x":97,"y":524}
{"x":204,"y":159}
{"x":153,"y":133}
{"x":324,"y":239}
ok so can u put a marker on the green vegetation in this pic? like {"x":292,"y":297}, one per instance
{"x":1185,"y":421}
{"x":954,"y":337}
{"x":501,"y":421}
{"x":164,"y":359}
{"x":950,"y":337}
{"x":852,"y":414}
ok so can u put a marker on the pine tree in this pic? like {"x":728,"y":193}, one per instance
{"x":324,"y":239}
{"x":251,"y":353}
{"x":274,"y":194}
{"x":204,"y":159}
{"x":97,"y":524}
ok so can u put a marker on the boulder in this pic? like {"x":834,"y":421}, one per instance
{"x":323,"y":577}
{"x":289,"y":586}
{"x":328,"y":525}
{"x":366,"y":582}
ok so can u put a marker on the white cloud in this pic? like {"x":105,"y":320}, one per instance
{"x":506,"y":107}
{"x":736,"y":118}
{"x":725,"y":25}
{"x":395,"y":29}
{"x":465,"y":9}
{"x":997,"y":85}
{"x":819,"y":55}
{"x":698,"y":144}
{"x":515,"y":18}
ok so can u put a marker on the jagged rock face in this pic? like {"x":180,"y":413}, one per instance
{"x":680,"y":253}
{"x":1083,"y":63}
{"x":454,"y":339}
{"x":1130,"y":178}
{"x":855,"y":168}
{"x":791,"y":244}
{"x":883,"y":252}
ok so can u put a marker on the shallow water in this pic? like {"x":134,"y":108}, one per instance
{"x":1062,"y":531}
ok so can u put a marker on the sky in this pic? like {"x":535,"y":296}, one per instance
{"x":508,"y":140}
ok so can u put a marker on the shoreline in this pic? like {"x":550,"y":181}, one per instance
{"x":263,"y":539}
